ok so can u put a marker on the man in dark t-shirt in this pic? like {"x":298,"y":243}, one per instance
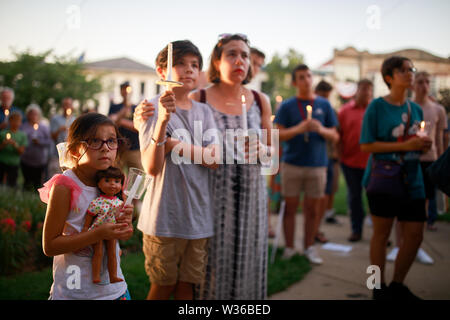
{"x":122,"y":115}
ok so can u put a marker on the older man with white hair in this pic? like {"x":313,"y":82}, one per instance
{"x":6,"y":107}
{"x":35,"y":158}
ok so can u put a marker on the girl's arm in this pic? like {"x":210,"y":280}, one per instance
{"x":55,"y":243}
{"x":413,"y":144}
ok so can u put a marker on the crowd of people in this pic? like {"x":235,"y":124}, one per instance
{"x":206,"y":222}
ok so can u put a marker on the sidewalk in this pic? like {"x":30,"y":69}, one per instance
{"x":343,"y":276}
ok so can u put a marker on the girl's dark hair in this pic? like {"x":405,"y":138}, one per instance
{"x":323,"y":86}
{"x":111,"y":172}
{"x":213,"y":73}
{"x":180,"y":49}
{"x":390,"y":64}
{"x":85,"y":127}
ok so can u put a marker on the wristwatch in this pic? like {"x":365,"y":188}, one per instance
{"x":158,"y":144}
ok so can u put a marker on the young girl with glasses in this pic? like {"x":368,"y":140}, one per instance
{"x":92,"y":145}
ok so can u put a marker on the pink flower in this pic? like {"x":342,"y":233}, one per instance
{"x":26,"y":225}
{"x":8,"y":224}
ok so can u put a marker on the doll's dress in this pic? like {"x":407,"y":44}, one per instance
{"x":104,"y":209}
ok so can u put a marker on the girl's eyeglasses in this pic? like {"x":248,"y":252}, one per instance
{"x":96,"y":144}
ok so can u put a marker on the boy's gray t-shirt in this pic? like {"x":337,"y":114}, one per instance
{"x":178,"y":201}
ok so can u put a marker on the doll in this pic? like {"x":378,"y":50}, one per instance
{"x":103,"y":209}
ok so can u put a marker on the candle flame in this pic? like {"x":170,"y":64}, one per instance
{"x":279,"y":99}
{"x":422,"y":125}
{"x":129,"y":89}
{"x":243,"y":98}
{"x":6,"y":112}
{"x":8,"y":136}
{"x":308,"y":108}
{"x":69,"y":112}
{"x":35,"y":126}
{"x":272,"y":117}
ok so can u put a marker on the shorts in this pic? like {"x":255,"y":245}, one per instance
{"x":125,"y":296}
{"x":296,"y":179}
{"x":404,"y":209}
{"x":169,"y":260}
{"x":430,"y":188}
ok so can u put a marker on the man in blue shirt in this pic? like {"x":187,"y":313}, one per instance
{"x":305,"y":122}
{"x":122,"y":115}
{"x":6,"y":108}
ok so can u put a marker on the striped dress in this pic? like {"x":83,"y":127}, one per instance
{"x":237,"y":254}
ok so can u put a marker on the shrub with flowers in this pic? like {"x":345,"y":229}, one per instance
{"x":21,"y":215}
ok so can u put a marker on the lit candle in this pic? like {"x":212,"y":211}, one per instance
{"x":309,"y":117}
{"x":133,"y":190}
{"x":169,"y":62}
{"x":68,"y":113}
{"x":8,"y":136}
{"x":422,"y":132}
{"x":244,"y":115}
{"x":309,"y":112}
{"x":35,"y":127}
{"x":6,"y":112}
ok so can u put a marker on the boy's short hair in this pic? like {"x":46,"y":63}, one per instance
{"x":365,"y":82}
{"x":422,"y":74}
{"x":389,"y":65}
{"x":14,"y":115}
{"x":323,"y":86}
{"x":300,"y":67}
{"x":257,"y":52}
{"x":180,"y":48}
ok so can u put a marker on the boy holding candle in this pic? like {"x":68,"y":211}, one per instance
{"x":12,"y":145}
{"x":304,"y":162}
{"x":176,"y":216}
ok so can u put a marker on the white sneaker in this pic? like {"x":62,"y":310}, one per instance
{"x":289,"y":253}
{"x":312,"y":255}
{"x":423,"y":257}
{"x":392,"y":255}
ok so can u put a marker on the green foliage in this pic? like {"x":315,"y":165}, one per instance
{"x":35,"y":79}
{"x":279,"y":75}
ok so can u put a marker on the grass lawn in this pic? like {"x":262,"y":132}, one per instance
{"x":36,"y":285}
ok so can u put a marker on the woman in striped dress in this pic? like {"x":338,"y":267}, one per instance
{"x":237,"y":255}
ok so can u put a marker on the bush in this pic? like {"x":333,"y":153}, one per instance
{"x":21,"y":221}
{"x":22,"y":217}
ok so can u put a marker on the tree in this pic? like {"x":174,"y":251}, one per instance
{"x":36,"y":80}
{"x":279,"y":70}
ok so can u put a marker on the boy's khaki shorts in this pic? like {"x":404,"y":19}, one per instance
{"x":296,"y":179}
{"x":169,"y":260}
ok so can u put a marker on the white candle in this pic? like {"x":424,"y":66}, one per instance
{"x":169,"y":62}
{"x":133,"y":190}
{"x":35,"y":127}
{"x":422,"y":132}
{"x":309,"y":112}
{"x":244,"y":115}
{"x":68,"y":113}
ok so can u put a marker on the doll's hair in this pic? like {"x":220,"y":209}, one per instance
{"x":216,"y":55}
{"x":113,"y":173}
{"x":85,"y":127}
